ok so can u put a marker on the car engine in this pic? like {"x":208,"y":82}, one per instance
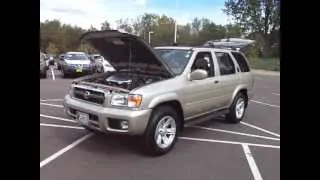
{"x":124,"y":80}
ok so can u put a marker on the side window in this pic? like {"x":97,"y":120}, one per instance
{"x":225,"y":62}
{"x":204,"y":61}
{"x":241,"y":61}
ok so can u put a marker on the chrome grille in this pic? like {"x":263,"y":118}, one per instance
{"x":89,"y":95}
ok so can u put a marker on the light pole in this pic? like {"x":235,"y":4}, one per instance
{"x":149,"y":33}
{"x":175,"y":24}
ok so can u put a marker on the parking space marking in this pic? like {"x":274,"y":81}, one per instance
{"x":234,"y":132}
{"x":52,"y":72}
{"x":61,"y":126}
{"x":60,"y":152}
{"x":52,"y":105}
{"x":259,"y":128}
{"x":228,"y":142}
{"x":253,"y":166}
{"x":58,"y":118}
{"x":276,"y":94}
{"x":44,"y":100}
{"x":259,"y":102}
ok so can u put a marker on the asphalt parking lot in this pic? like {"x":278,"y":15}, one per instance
{"x":210,"y":150}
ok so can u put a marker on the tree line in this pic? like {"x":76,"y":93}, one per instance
{"x":257,"y":19}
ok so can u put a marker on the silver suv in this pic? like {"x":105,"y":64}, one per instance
{"x":155,"y":92}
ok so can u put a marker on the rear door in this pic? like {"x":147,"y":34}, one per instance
{"x":228,"y":76}
{"x":246,"y":77}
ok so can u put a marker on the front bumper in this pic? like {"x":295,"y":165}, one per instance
{"x":75,"y":70}
{"x":137,"y":119}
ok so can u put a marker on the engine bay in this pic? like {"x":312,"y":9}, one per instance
{"x":124,"y":80}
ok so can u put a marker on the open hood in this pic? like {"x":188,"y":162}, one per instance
{"x":232,"y":43}
{"x":127,"y":52}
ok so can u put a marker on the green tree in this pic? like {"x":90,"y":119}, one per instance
{"x":92,"y":28}
{"x":52,"y":49}
{"x":124,"y":25}
{"x":163,"y":31}
{"x":144,"y":24}
{"x":105,"y":25}
{"x":259,"y":16}
{"x":196,"y":24}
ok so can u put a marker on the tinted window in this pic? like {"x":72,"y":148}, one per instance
{"x":241,"y":61}
{"x":203,"y":61}
{"x":176,"y":59}
{"x":225,"y":62}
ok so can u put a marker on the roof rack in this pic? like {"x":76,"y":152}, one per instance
{"x":229,"y":43}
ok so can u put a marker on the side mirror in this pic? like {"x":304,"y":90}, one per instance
{"x":198,"y":74}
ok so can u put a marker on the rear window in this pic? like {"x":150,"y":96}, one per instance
{"x":76,"y":57}
{"x":241,"y":61}
{"x":226,"y":64}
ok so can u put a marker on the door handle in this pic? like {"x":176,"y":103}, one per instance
{"x":216,"y":81}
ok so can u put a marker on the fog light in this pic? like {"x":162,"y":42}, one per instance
{"x":124,"y":124}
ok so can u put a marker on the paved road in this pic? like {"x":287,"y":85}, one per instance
{"x":210,"y":150}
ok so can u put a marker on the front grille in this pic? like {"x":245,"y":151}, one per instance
{"x":89,"y":95}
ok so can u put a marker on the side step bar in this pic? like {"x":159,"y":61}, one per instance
{"x":205,"y":117}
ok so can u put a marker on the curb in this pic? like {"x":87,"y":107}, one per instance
{"x":265,"y":72}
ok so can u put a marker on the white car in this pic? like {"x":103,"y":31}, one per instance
{"x":105,"y":64}
{"x":77,"y":63}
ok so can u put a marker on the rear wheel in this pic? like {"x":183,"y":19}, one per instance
{"x":43,"y":73}
{"x":162,"y":130}
{"x":64,"y":74}
{"x":237,"y":109}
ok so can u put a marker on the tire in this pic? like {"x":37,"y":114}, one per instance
{"x":64,"y":75}
{"x":43,"y":74}
{"x":88,"y":129}
{"x":236,"y":115}
{"x":160,"y":116}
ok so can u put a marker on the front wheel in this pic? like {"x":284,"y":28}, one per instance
{"x":162,"y":130}
{"x":237,"y":109}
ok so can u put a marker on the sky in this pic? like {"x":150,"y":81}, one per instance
{"x":86,"y":13}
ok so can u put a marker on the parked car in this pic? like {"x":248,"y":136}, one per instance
{"x":103,"y":64}
{"x":154,"y":93}
{"x":77,"y":63}
{"x":43,"y":67}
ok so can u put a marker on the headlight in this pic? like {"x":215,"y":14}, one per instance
{"x":119,"y":100}
{"x":132,"y":101}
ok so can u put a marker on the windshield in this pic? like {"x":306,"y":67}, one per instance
{"x":76,"y":57}
{"x":176,"y":59}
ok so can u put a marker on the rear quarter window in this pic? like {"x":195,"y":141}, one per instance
{"x":244,"y":67}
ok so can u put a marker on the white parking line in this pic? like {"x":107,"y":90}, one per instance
{"x":44,"y":100}
{"x":228,"y":142}
{"x":59,"y":153}
{"x":52,"y":105}
{"x":254,"y":169}
{"x":259,"y":102}
{"x":61,"y":126}
{"x":259,"y":128}
{"x":234,"y":132}
{"x":52,"y":72}
{"x":58,"y":118}
{"x":276,"y":94}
